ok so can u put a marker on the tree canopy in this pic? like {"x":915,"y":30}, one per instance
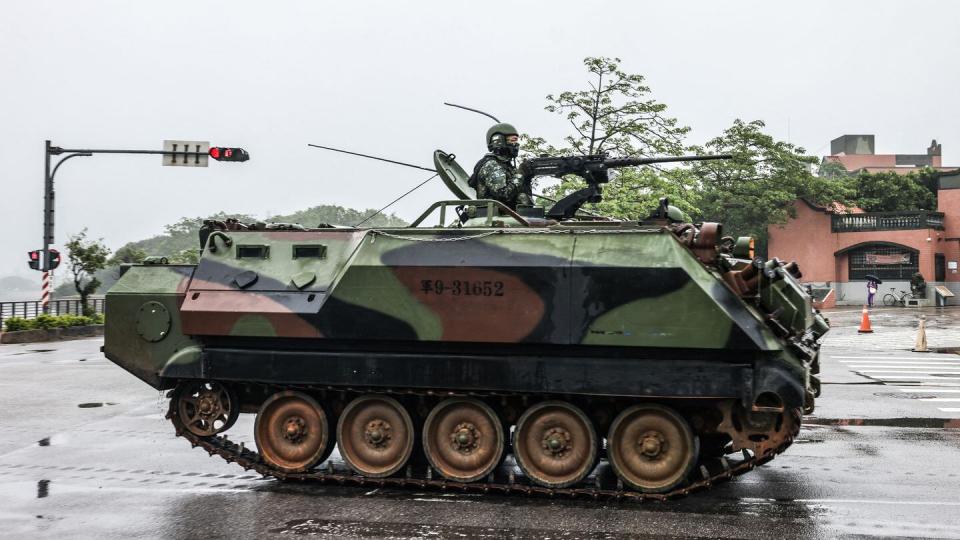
{"x":616,"y":113}
{"x":759,"y":185}
{"x":892,"y":192}
{"x":86,"y":257}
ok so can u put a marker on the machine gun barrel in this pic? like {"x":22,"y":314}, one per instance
{"x":633,"y":162}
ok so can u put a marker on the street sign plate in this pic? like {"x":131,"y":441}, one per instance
{"x":186,"y":153}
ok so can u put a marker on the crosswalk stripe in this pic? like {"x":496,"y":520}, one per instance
{"x":904,"y":362}
{"x":914,"y":377}
{"x":928,"y":389}
{"x":913,"y":374}
{"x":884,"y":373}
{"x":881,"y":357}
{"x":950,"y":409}
{"x":954,"y":400}
{"x":938,"y":369}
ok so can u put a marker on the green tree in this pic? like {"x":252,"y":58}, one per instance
{"x":186,"y":256}
{"x":833,"y":169}
{"x":85,"y":258}
{"x":126,"y":255}
{"x":615,"y":114}
{"x":759,"y":185}
{"x":892,"y":192}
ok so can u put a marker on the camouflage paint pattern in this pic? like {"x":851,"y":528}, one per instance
{"x":605,"y":285}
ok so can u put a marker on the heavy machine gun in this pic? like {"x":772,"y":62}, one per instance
{"x":594,"y":169}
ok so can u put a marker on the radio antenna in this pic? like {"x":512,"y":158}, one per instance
{"x":488,"y":115}
{"x":372,"y":157}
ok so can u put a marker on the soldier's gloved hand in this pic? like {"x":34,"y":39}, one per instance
{"x":525,"y":170}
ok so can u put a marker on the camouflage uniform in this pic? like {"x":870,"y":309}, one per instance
{"x":498,"y":179}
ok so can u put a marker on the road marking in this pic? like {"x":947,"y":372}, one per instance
{"x":873,"y":501}
{"x":950,"y":409}
{"x":954,"y":400}
{"x":879,"y":357}
{"x":908,"y":375}
{"x":900,"y":363}
{"x":927,"y":390}
{"x":898,"y":368}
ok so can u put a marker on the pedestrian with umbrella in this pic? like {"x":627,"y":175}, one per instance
{"x":873,"y":282}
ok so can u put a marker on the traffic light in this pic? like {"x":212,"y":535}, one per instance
{"x":221,"y":153}
{"x":53,"y":261}
{"x":34,"y":259}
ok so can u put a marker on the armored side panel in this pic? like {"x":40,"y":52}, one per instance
{"x":145,"y":334}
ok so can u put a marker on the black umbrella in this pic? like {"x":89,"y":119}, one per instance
{"x":872,"y":277}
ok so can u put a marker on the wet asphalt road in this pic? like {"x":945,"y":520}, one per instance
{"x":85,"y":453}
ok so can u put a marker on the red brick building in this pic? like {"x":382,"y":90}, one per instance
{"x":836,"y":248}
{"x":856,"y":153}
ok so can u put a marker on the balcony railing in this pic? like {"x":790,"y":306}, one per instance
{"x":886,"y":221}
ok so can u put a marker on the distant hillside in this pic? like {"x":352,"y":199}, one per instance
{"x":183,"y":235}
{"x":17,"y":284}
{"x":180,"y":240}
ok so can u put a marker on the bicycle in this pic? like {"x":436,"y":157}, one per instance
{"x":894,"y":298}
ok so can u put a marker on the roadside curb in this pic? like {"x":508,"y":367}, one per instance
{"x":51,"y":334}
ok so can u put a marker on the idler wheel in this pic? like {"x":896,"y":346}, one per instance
{"x":292,"y":431}
{"x":375,"y":436}
{"x":651,"y":448}
{"x":463,"y":439}
{"x":555,"y":444}
{"x":206,"y":408}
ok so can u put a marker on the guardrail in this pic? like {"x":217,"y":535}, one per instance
{"x":886,"y":221}
{"x":29,"y":309}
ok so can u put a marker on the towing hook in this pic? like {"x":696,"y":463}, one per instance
{"x":227,"y":241}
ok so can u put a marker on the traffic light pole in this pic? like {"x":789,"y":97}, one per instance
{"x":49,"y":192}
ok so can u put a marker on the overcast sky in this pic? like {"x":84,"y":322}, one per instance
{"x":371,"y":77}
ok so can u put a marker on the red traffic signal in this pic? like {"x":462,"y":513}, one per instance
{"x":221,"y":153}
{"x":34,"y":259}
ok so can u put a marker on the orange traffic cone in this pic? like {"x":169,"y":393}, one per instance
{"x":865,"y":322}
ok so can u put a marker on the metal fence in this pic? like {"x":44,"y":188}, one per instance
{"x":31,"y":308}
{"x":886,"y":221}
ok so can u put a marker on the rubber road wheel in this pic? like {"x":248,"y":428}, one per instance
{"x":375,"y":435}
{"x":292,"y":431}
{"x":651,"y":448}
{"x":555,"y":444}
{"x":463,"y":439}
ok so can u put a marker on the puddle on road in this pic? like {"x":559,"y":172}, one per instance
{"x":936,"y":423}
{"x":40,"y":350}
{"x":367,"y":529}
{"x":94,"y":404}
{"x":43,"y":488}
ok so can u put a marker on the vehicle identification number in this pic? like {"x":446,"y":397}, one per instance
{"x":457,"y":287}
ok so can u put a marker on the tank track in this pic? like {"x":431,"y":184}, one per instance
{"x":719,"y":470}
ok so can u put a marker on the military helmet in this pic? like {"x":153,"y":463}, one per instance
{"x":497,"y":140}
{"x":677,"y":215}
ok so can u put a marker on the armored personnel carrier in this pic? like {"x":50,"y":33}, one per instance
{"x":480,"y":348}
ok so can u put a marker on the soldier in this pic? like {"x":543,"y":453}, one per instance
{"x":495,"y":176}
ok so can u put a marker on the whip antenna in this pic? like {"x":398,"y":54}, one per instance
{"x":372,"y":157}
{"x":495,"y":119}
{"x":377,"y":213}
